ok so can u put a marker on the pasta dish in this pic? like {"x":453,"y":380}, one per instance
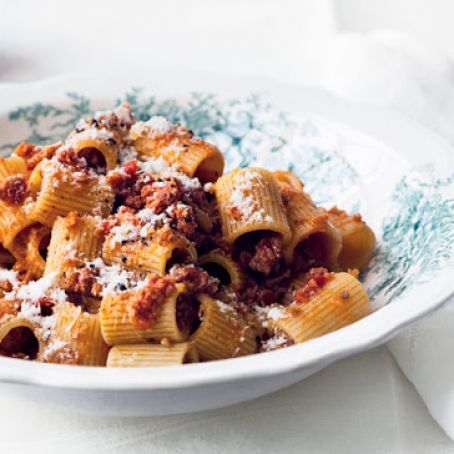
{"x":126,"y":245}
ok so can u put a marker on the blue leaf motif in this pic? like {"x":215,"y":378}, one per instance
{"x":418,"y":238}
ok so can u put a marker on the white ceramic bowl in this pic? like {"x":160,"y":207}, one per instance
{"x":398,"y":174}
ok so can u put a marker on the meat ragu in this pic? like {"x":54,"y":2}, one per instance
{"x":131,"y":208}
{"x":265,"y":256}
{"x":14,"y":190}
{"x":146,"y":305}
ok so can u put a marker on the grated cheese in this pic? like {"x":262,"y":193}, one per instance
{"x":188,"y":183}
{"x":148,"y":215}
{"x":276,"y":313}
{"x":34,"y":290}
{"x":127,"y":154}
{"x":175,"y":148}
{"x":113,"y":277}
{"x":53,"y":347}
{"x":89,"y":133}
{"x":154,"y":165}
{"x":123,"y":112}
{"x":224,"y":307}
{"x":242,"y":200}
{"x":30,"y":311}
{"x":275,"y":342}
{"x":160,"y":124}
{"x":123,"y":233}
{"x":9,"y":276}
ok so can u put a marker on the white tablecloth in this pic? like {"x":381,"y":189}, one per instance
{"x":362,"y":404}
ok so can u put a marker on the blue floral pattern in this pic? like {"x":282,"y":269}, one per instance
{"x":418,"y":236}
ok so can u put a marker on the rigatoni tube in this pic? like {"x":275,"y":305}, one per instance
{"x":152,"y":355}
{"x":222,"y":333}
{"x":221,"y":265}
{"x":178,"y":147}
{"x":314,"y":238}
{"x":95,"y":148}
{"x":341,"y":302}
{"x":358,"y":240}
{"x":249,"y":201}
{"x":149,"y":255}
{"x":78,"y":338}
{"x":74,"y":241}
{"x":117,"y":327}
{"x":60,"y":193}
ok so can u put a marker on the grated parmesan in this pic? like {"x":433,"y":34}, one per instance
{"x":127,"y":154}
{"x":123,"y":233}
{"x":276,"y":313}
{"x":224,"y":307}
{"x":89,"y":133}
{"x":274,"y":343}
{"x":123,"y":112}
{"x":188,"y":183}
{"x":154,"y":165}
{"x":241,"y":199}
{"x":53,"y":347}
{"x":160,"y":124}
{"x":9,"y":276}
{"x":175,"y":147}
{"x":34,"y":290}
{"x":114,"y":278}
{"x":148,"y":215}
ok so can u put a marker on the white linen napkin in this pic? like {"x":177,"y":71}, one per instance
{"x":425,"y":354}
{"x":392,"y":69}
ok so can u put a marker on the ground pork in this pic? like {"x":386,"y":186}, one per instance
{"x":147,"y":304}
{"x":14,"y":189}
{"x":266,"y":258}
{"x":161,"y":193}
{"x":315,"y":280}
{"x":195,"y":279}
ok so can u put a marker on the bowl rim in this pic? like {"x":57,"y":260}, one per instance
{"x":393,"y":129}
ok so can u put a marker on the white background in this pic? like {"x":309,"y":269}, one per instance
{"x":362,"y":404}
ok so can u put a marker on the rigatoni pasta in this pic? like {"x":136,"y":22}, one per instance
{"x":77,"y":338}
{"x":358,"y":240}
{"x":118,"y":327}
{"x":249,"y":201}
{"x":63,"y":191}
{"x":99,"y":150}
{"x":178,"y":146}
{"x":14,"y":165}
{"x":74,"y":241}
{"x":313,"y":236}
{"x":152,"y":355}
{"x":286,"y":178}
{"x":336,"y":303}
{"x":27,"y":248}
{"x":18,"y":338}
{"x":126,"y":246}
{"x":223,"y":267}
{"x":149,"y":255}
{"x":6,"y":258}
{"x":222,"y":333}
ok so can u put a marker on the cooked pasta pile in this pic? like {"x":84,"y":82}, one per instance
{"x":126,"y":246}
